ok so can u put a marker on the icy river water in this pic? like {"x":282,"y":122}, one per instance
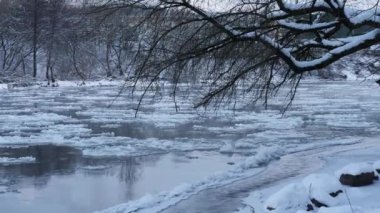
{"x":66,"y":149}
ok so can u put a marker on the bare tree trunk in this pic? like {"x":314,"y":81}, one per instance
{"x":23,"y":66}
{"x":108,"y":54}
{"x":52,"y":75}
{"x":118,"y":52}
{"x":4,"y":56}
{"x":81,"y":75}
{"x":35,"y":32}
{"x":48,"y":66}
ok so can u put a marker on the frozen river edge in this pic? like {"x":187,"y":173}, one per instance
{"x":229,"y":196}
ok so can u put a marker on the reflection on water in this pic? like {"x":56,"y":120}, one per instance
{"x":62,"y":180}
{"x":50,"y":159}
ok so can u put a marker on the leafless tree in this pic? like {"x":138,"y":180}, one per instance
{"x":258,"y":45}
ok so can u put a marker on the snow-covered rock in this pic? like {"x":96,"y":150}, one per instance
{"x":357,"y":174}
{"x":324,"y":189}
{"x":291,"y":197}
{"x":355,"y":169}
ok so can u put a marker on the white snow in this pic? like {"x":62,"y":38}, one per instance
{"x":341,"y":209}
{"x":376,"y":165}
{"x":90,"y":83}
{"x":291,"y":197}
{"x":355,"y":169}
{"x":347,"y":209}
{"x":3,"y":86}
{"x":264,"y":155}
{"x":352,"y":42}
{"x":227,"y":148}
{"x":79,"y":117}
{"x":296,"y":196}
{"x":320,"y":186}
{"x":301,"y":26}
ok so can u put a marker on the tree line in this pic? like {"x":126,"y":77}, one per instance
{"x":260,"y":45}
{"x":49,"y":39}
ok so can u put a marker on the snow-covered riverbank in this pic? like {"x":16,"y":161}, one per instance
{"x":294,"y":194}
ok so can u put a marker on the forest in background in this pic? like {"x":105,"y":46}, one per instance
{"x":51,"y":40}
{"x":66,"y":40}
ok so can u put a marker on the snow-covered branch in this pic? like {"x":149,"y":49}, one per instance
{"x":269,"y":42}
{"x":284,"y":26}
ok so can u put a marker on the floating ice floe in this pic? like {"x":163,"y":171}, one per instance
{"x":227,"y":148}
{"x":95,"y":168}
{"x":106,"y":151}
{"x":21,"y":160}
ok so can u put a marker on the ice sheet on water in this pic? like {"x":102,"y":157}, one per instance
{"x":163,"y":200}
{"x":81,"y":117}
{"x":45,"y":120}
{"x":67,"y":130}
{"x":95,"y":168}
{"x":89,"y":83}
{"x":104,"y":151}
{"x":227,"y":148}
{"x":110,"y":126}
{"x":121,"y":146}
{"x":20,"y":160}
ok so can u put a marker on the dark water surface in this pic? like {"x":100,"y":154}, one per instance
{"x":62,"y":180}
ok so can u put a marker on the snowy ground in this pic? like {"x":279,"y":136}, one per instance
{"x":290,"y":195}
{"x":324,"y":116}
